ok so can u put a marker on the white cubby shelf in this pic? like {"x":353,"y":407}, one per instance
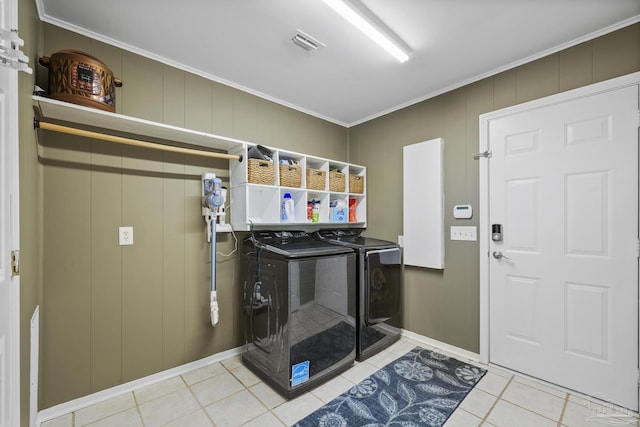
{"x":258,"y":205}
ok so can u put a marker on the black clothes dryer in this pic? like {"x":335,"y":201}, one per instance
{"x":299,"y":304}
{"x":379,"y":286}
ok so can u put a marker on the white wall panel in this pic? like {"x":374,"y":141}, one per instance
{"x":423,"y":204}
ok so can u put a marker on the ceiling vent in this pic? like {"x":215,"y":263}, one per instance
{"x":306,"y":42}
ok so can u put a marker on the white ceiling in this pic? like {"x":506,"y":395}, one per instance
{"x":246,"y":43}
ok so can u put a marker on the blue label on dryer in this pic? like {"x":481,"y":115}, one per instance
{"x":299,"y":373}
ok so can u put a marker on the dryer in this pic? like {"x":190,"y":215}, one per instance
{"x":299,"y":305}
{"x":379,"y":278}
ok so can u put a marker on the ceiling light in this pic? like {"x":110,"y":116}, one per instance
{"x":306,"y":42}
{"x":361,"y":18}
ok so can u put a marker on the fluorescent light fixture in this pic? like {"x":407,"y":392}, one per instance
{"x":362,"y":19}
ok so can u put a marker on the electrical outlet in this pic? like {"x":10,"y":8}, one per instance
{"x":125,"y":236}
{"x":401,"y":240}
{"x":464,"y":233}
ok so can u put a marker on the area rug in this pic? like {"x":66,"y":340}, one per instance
{"x":421,"y":388}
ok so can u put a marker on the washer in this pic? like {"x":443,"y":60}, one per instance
{"x":299,"y":303}
{"x":379,"y":281}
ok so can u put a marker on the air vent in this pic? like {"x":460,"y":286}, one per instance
{"x":306,"y":42}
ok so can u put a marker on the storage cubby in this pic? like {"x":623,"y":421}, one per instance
{"x":338,"y":176}
{"x":316,"y":174}
{"x":323,"y":199}
{"x":356,"y":180}
{"x":360,"y":208}
{"x":299,"y":202}
{"x":338,"y":208}
{"x":323,"y":180}
{"x":263,"y":204}
{"x":290,"y":169}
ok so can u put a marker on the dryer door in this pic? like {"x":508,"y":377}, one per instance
{"x":383,"y":285}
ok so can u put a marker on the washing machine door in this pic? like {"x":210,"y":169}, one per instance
{"x":383,"y":285}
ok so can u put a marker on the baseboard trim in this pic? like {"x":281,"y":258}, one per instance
{"x":100,"y":396}
{"x":456,"y":351}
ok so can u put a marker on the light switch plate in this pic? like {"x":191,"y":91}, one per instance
{"x":468,"y":233}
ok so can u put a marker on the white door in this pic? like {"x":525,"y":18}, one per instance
{"x":9,"y":290}
{"x":563,"y":185}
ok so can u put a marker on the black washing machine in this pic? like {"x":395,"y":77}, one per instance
{"x":379,"y":286}
{"x":299,"y":305}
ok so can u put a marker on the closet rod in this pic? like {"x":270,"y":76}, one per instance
{"x":134,"y":142}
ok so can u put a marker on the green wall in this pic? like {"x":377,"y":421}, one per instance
{"x":444,"y":304}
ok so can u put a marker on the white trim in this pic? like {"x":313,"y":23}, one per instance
{"x":34,"y":367}
{"x":13,"y":187}
{"x":483,"y":224}
{"x":585,"y":91}
{"x":14,"y":242}
{"x":92,"y":399}
{"x":456,"y":351}
{"x":10,"y":165}
{"x":96,"y":36}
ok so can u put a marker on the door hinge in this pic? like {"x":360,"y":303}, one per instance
{"x":15,"y":263}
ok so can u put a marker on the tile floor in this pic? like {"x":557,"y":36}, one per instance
{"x":227,"y":394}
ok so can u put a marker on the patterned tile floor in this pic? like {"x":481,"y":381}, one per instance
{"x":227,"y":394}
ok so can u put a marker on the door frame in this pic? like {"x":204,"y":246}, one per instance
{"x":10,"y":171}
{"x":11,"y":180}
{"x":484,"y":223}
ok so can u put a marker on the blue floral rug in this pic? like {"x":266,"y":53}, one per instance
{"x":421,"y":388}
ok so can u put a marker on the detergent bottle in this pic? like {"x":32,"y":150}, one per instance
{"x":287,"y":211}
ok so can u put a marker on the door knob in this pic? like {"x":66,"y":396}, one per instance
{"x":498,"y":255}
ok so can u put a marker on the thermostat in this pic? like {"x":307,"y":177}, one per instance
{"x":462,"y":211}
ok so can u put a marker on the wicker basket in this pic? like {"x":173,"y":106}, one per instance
{"x":336,"y":181}
{"x":315,"y":179}
{"x":290,"y":175}
{"x":356,"y":183}
{"x":261,"y":171}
